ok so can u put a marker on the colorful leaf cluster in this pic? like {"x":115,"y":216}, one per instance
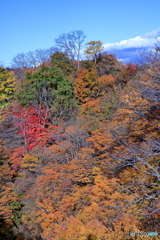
{"x":80,"y":151}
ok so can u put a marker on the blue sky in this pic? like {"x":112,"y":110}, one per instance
{"x":122,"y":25}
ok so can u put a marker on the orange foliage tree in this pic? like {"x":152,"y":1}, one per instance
{"x":89,"y":86}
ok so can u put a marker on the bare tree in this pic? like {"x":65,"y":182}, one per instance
{"x":20,"y":61}
{"x":43,"y":55}
{"x":71,"y":44}
{"x":149,"y":59}
{"x":32,"y":59}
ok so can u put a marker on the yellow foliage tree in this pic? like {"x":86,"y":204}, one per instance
{"x":7,"y":86}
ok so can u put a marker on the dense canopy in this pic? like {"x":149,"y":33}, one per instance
{"x":80,"y":149}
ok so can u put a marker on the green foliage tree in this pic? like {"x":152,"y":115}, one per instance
{"x":48,"y":87}
{"x":62,"y":62}
{"x":88,"y":65}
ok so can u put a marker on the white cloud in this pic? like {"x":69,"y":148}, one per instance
{"x":129,"y":43}
{"x":152,"y":34}
{"x":145,"y":40}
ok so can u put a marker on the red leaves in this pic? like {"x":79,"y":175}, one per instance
{"x":32,"y":123}
{"x":129,"y":71}
{"x":33,"y":126}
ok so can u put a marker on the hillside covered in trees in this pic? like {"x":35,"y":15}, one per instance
{"x":80,"y":146}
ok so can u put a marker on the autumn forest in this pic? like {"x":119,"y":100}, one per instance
{"x":79,"y":144}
